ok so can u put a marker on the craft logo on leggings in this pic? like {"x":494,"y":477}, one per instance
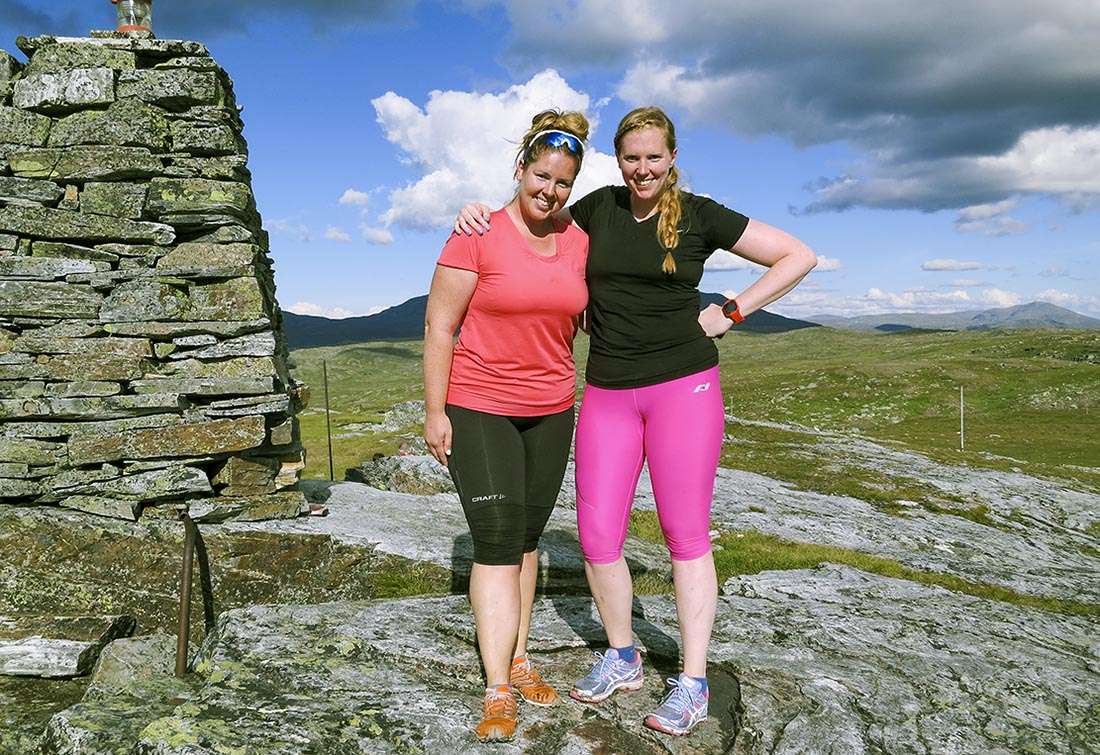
{"x":487,"y":498}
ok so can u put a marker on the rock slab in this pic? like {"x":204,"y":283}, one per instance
{"x":56,"y":646}
{"x":822,"y":660}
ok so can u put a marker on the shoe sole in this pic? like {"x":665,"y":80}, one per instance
{"x":654,"y":723}
{"x":496,"y":737}
{"x":629,"y":686}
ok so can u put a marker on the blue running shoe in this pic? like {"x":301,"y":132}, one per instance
{"x":682,"y":709}
{"x":609,"y":674}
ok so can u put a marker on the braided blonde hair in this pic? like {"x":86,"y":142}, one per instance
{"x":669,"y":205}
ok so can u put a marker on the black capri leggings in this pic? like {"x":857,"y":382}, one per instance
{"x":508,"y":471}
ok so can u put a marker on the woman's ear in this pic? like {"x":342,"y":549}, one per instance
{"x":519,"y":170}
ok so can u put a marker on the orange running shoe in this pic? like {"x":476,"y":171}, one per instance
{"x":498,"y":719}
{"x":527,"y":681}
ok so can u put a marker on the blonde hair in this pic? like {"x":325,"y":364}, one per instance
{"x":669,"y":205}
{"x":534,"y":145}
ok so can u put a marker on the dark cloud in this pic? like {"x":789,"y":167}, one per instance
{"x":20,"y":18}
{"x":210,"y":17}
{"x":200,"y":19}
{"x":923,"y":90}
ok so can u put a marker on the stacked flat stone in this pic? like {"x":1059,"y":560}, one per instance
{"x":142,"y":362}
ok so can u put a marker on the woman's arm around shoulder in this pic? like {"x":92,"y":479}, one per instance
{"x":474,"y":217}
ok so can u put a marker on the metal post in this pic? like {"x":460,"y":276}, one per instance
{"x":185,"y":595}
{"x":962,"y":421}
{"x":328,"y":421}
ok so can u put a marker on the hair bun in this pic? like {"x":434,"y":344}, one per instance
{"x":570,"y":121}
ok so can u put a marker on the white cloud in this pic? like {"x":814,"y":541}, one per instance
{"x":966,"y":282}
{"x":1069,"y":300}
{"x":1058,"y":160}
{"x":917,"y":299}
{"x":355,"y":197}
{"x":309,"y":308}
{"x":295,"y":230}
{"x":463,"y":144}
{"x":949,"y":264}
{"x":806,"y":301}
{"x":987,"y":211}
{"x":334,"y":233}
{"x":1062,"y":162}
{"x":725,"y":260}
{"x":375,"y":236}
{"x":999,"y":298}
{"x":991,"y":219}
{"x":1002,"y":226}
{"x":332,"y":312}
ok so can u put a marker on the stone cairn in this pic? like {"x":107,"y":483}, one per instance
{"x":143,"y":368}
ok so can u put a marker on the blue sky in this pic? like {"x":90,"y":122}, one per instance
{"x":937,"y":158}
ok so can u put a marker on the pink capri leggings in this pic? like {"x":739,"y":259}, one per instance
{"x":677,"y":426}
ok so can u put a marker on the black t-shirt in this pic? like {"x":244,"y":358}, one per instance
{"x":643,"y":323}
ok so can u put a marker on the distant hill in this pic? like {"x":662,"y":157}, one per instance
{"x":398,"y":323}
{"x":406,"y":321}
{"x":760,"y":321}
{"x":1036,"y":314}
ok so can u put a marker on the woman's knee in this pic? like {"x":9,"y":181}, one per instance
{"x":497,"y":553}
{"x":688,"y":548}
{"x":601,"y":544}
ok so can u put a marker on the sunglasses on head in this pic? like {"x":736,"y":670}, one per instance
{"x":559,"y":139}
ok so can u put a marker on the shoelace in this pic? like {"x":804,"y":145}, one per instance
{"x":527,"y":674}
{"x":680,"y":696}
{"x":603,"y":667}
{"x":497,"y":703}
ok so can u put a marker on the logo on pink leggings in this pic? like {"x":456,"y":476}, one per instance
{"x":701,"y":387}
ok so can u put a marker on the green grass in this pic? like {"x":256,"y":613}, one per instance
{"x":1031,"y":396}
{"x":751,"y":552}
{"x":1032,"y":399}
{"x":403,"y":579}
{"x":365,"y":381}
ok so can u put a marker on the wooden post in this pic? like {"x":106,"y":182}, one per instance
{"x":328,"y":421}
{"x":962,"y":421}
{"x":184,"y":626}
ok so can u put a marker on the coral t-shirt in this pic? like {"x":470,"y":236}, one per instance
{"x":514,"y":355}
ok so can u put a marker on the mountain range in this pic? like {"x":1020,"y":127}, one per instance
{"x":406,"y":321}
{"x":1036,"y":314}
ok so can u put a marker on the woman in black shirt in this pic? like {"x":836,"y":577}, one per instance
{"x":652,"y":393}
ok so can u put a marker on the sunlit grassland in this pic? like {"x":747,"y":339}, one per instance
{"x":1032,"y":401}
{"x":364,"y":381}
{"x":1032,"y":398}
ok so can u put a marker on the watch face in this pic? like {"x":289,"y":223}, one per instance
{"x":730,"y":308}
